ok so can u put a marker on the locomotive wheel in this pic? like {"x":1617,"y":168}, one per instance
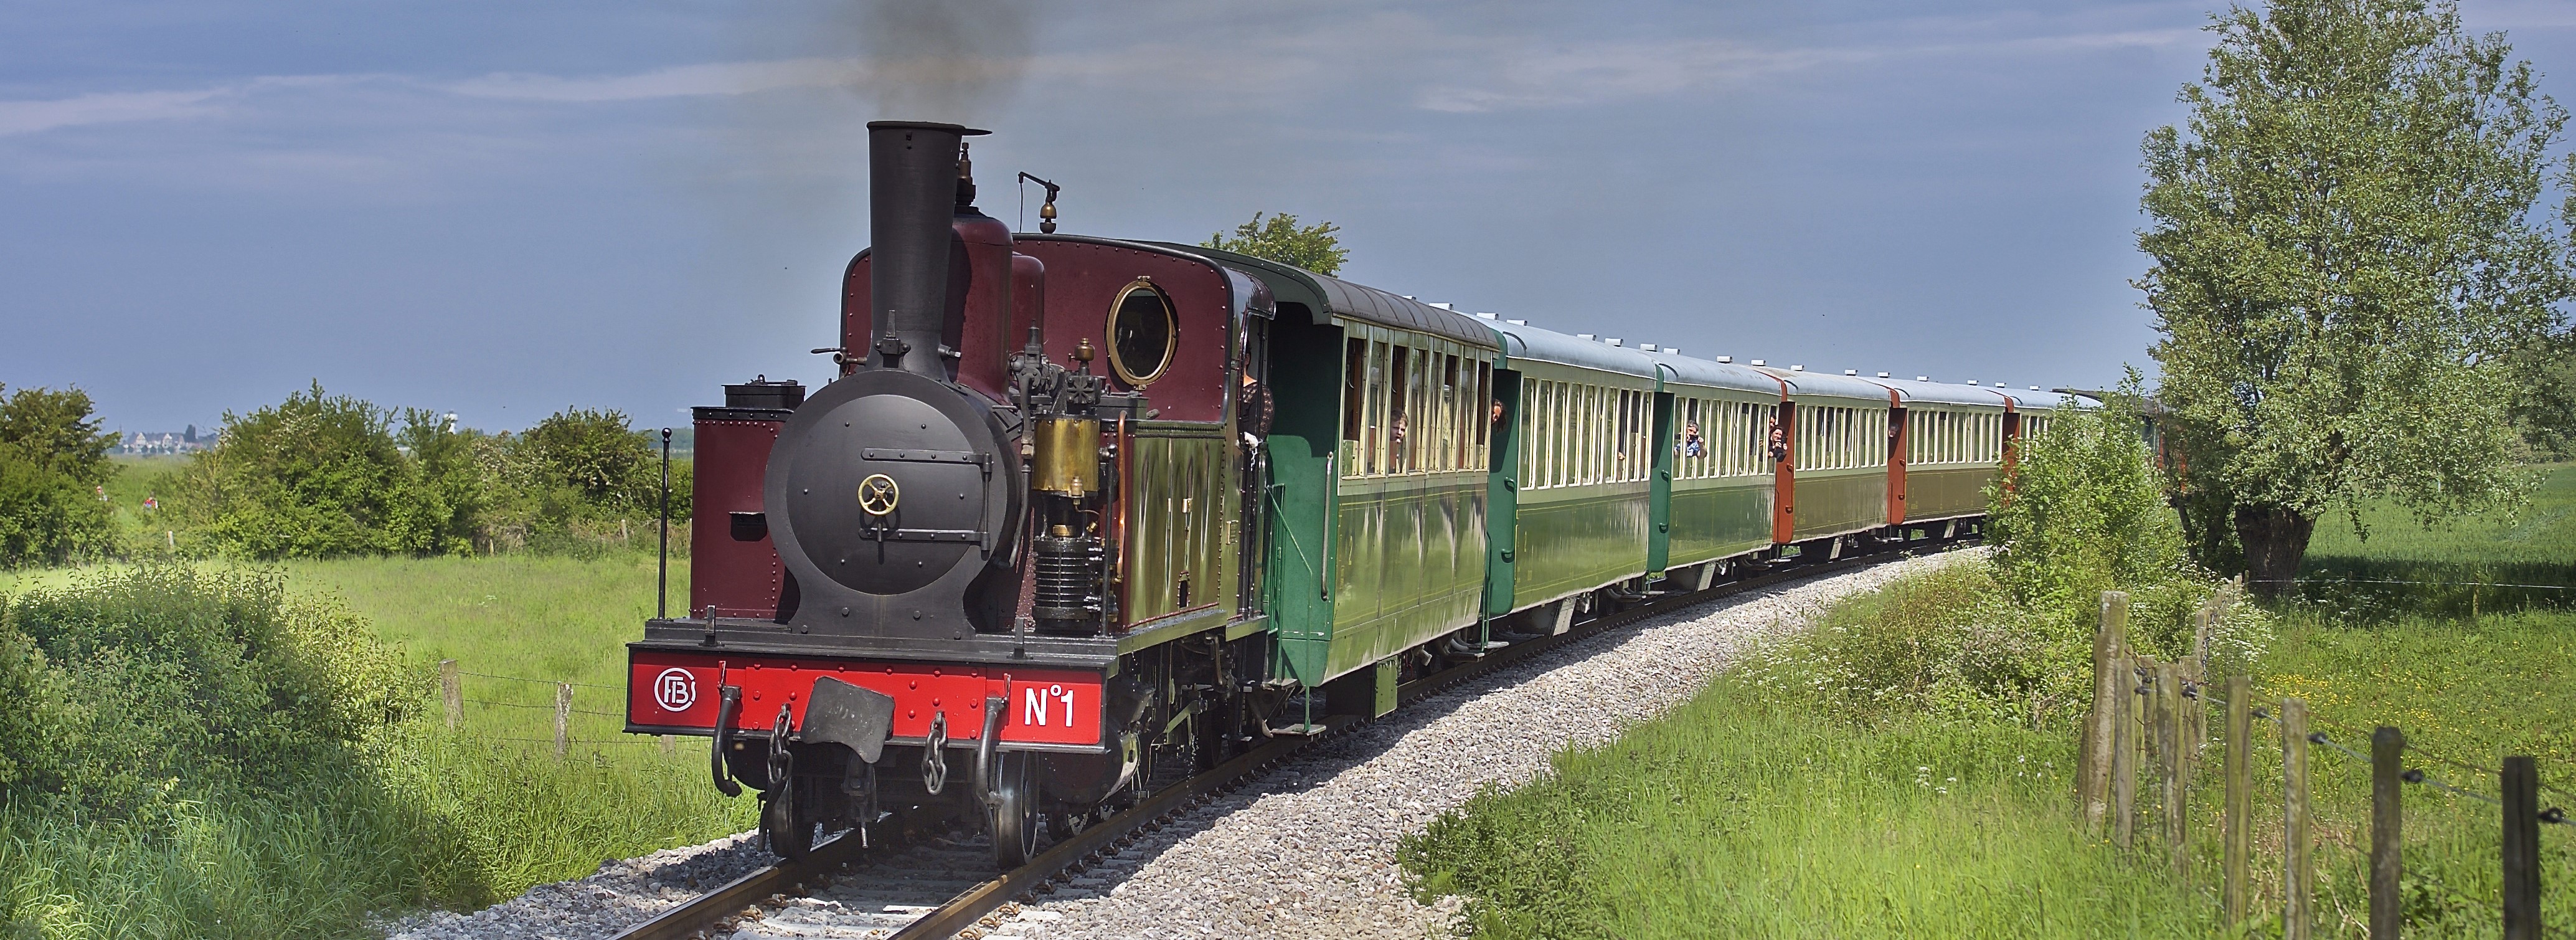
{"x":1014,"y":819}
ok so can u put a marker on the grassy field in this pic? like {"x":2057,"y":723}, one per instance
{"x":1756,"y":811}
{"x":516,"y":625}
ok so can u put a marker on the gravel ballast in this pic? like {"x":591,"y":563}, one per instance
{"x":1305,"y":851}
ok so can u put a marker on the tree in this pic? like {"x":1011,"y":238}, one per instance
{"x":1314,"y":248}
{"x":2346,"y":251}
{"x":53,"y":464}
{"x":598,"y":454}
{"x":320,"y":475}
{"x":2545,"y":413}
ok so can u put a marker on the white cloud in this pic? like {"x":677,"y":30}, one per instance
{"x":1595,"y":72}
{"x":717,"y":78}
{"x":30,"y":117}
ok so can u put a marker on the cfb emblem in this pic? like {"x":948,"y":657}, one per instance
{"x":675,"y":689}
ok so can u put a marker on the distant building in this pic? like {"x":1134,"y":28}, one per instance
{"x":167,"y":442}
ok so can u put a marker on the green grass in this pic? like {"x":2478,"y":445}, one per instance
{"x":2464,"y":694}
{"x":1764,"y":810}
{"x":1743,"y":815}
{"x":141,"y":477}
{"x":459,"y":817}
{"x":529,"y":817}
{"x":2447,"y":562}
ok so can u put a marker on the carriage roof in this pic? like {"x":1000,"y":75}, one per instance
{"x":1324,"y":298}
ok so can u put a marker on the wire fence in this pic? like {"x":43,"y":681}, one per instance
{"x":2149,"y":720}
{"x":452,"y":680}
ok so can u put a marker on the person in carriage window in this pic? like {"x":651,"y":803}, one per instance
{"x":1779,"y":441}
{"x":1692,"y":444}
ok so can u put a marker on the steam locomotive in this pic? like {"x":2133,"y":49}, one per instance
{"x":1081,"y":516}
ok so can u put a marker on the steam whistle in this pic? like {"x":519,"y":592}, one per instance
{"x":1046,"y":210}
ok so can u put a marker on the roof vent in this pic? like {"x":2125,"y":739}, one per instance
{"x":1851,"y":371}
{"x":1726,"y":358}
{"x":1612,"y":341}
{"x":1922,"y":378}
{"x":1757,"y":362}
{"x":1484,"y":316}
{"x":2034,"y":388}
{"x":1672,"y":350}
{"x":1650,"y":347}
{"x":1797,"y":368}
{"x":1517,"y":322}
{"x":1441,"y":306}
{"x":1882,"y":375}
{"x":1585,"y":336}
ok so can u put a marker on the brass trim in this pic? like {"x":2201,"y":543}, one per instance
{"x":879,"y":494}
{"x":1171,"y":333}
{"x":1067,"y":458}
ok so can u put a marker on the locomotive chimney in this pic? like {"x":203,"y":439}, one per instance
{"x":912,"y":198}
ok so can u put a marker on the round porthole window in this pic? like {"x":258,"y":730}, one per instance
{"x":1143,"y":332}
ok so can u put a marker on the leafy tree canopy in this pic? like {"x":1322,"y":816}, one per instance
{"x":1314,"y":248}
{"x":597,"y":453}
{"x":53,"y":459}
{"x":2346,"y":253}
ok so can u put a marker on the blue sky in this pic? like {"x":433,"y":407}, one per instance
{"x":503,"y":209}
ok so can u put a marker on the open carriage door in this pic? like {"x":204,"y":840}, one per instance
{"x":1255,"y":409}
{"x":1502,"y":495}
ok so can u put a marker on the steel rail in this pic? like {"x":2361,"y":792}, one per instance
{"x":1105,"y":837}
{"x":689,"y":917}
{"x":962,"y":911}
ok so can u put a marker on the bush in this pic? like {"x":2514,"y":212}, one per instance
{"x":189,"y":753}
{"x":320,"y":475}
{"x":53,"y":466}
{"x":169,"y":674}
{"x":2011,"y":639}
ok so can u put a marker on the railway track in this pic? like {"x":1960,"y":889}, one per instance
{"x":932,"y":880}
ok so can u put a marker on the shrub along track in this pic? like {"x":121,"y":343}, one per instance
{"x":931,"y":878}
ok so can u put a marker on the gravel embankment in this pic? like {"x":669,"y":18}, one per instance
{"x":624,"y":892}
{"x":1307,"y":851}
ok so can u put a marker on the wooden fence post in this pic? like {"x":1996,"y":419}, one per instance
{"x":2169,"y":726}
{"x":563,"y":719}
{"x":2521,"y":848}
{"x":2110,"y":687}
{"x":2387,"y":748}
{"x":2298,"y":882}
{"x":451,"y":689}
{"x":2240,"y":798}
{"x":2124,"y":759}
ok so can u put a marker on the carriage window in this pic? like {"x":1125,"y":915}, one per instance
{"x":1453,"y":447}
{"x":1399,"y":420}
{"x":1376,"y":430}
{"x":1142,"y":333}
{"x":1354,"y":404}
{"x":1484,"y":404}
{"x":1425,"y":439}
